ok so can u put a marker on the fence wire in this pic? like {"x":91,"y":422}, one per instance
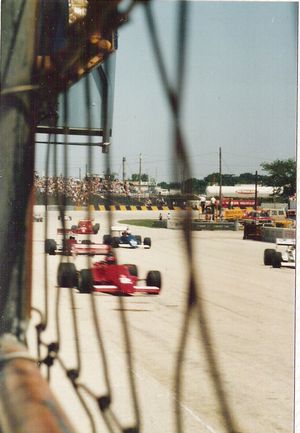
{"x":49,"y":351}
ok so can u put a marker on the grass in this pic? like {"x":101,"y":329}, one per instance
{"x":152,"y":223}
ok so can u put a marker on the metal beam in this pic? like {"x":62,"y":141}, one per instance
{"x":62,"y":143}
{"x":90,"y":132}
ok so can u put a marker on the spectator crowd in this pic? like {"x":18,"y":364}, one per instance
{"x":78,"y":190}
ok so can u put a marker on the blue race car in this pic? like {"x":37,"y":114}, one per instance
{"x":121,"y":237}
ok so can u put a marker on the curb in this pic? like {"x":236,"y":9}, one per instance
{"x":129,"y":208}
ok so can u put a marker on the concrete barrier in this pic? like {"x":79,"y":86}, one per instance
{"x":175,"y":223}
{"x":270,"y":234}
{"x":211,"y":225}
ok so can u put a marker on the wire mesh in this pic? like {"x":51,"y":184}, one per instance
{"x":50,"y":329}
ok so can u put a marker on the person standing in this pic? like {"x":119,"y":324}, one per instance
{"x":213,"y":207}
{"x":202,"y":203}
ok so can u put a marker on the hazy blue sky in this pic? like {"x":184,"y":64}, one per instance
{"x":240,"y":89}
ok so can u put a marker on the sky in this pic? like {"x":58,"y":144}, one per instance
{"x":240,"y":91}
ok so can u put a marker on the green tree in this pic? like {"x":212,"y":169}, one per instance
{"x":194,"y":186}
{"x":135,"y":177}
{"x":229,"y":179}
{"x":249,"y":178}
{"x":282,"y":173}
{"x":246,"y":178}
{"x":171,"y":185}
{"x":164,"y":185}
{"x":175,"y":185}
{"x":212,"y":178}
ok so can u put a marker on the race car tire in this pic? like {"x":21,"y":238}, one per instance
{"x":133,"y":270}
{"x":86,"y":242}
{"x":96,"y":228}
{"x":50,"y":247}
{"x":147,"y":241}
{"x":107,"y":239}
{"x":67,"y":275}
{"x":268,"y":256}
{"x":85,"y":282}
{"x":115,"y":242}
{"x":138,"y":239}
{"x":277,"y":259}
{"x":153,"y":279}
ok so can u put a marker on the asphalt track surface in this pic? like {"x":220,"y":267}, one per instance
{"x":250,"y":313}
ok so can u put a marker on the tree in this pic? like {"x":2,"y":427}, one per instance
{"x":175,"y":185}
{"x":135,"y":177}
{"x":227,"y":179}
{"x":282,"y":173}
{"x":212,"y":178}
{"x":171,"y":185}
{"x":194,"y":186}
{"x":246,"y":178}
{"x":164,"y":185}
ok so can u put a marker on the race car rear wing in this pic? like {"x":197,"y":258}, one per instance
{"x":286,"y":242}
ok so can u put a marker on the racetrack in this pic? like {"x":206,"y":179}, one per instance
{"x":249,"y":309}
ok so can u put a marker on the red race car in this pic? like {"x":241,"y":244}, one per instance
{"x":70,"y":243}
{"x":76,"y":240}
{"x":86,"y":227}
{"x":109,"y":277}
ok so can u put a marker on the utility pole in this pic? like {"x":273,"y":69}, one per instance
{"x":255,"y":197}
{"x":140,"y":172}
{"x":220,"y":182}
{"x":123,"y":169}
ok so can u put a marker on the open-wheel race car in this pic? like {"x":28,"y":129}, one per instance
{"x":121,"y":237}
{"x":85,"y":227}
{"x":275,"y":257}
{"x":253,"y":228}
{"x":72,"y":246}
{"x":108,"y":277}
{"x":76,"y":240}
{"x":71,"y":243}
